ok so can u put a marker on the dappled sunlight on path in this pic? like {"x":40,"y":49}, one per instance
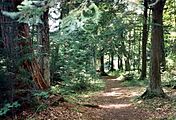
{"x":116,"y":102}
{"x":116,"y":106}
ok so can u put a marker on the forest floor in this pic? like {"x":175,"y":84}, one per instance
{"x":115,"y":102}
{"x":118,"y":102}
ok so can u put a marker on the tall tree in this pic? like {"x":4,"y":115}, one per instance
{"x":16,"y":39}
{"x":154,"y":88}
{"x":144,"y":41}
{"x":112,"y":62}
{"x":102,"y":70}
{"x":162,"y":54}
{"x":9,"y":33}
{"x":43,"y":40}
{"x":120,"y":63}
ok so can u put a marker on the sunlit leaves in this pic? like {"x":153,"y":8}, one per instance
{"x":82,"y":18}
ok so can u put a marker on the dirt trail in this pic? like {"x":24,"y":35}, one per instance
{"x":116,"y":103}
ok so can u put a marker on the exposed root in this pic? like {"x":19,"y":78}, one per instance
{"x":89,"y":105}
{"x":148,"y":94}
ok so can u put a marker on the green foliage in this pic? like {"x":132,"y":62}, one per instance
{"x":116,"y":73}
{"x":74,"y":60}
{"x":169,"y":76}
{"x":78,"y":87}
{"x":80,"y":19}
{"x":130,"y":79}
{"x":7,"y":107}
{"x":135,"y":82}
{"x":42,"y":94}
{"x":30,"y":11}
{"x":73,"y":45}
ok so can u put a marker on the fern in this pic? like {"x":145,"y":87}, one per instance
{"x":7,"y":107}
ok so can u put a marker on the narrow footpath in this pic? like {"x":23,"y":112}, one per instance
{"x":116,"y":103}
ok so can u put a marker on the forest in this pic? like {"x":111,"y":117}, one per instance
{"x":87,"y":60}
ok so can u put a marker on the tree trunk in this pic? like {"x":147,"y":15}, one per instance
{"x":9,"y":28}
{"x":139,"y":50}
{"x":94,"y":58}
{"x":43,"y":40}
{"x":102,"y":71}
{"x":11,"y":31}
{"x":155,"y":88}
{"x":162,"y":60}
{"x":120,"y":63}
{"x":9,"y":34}
{"x":127,"y":64}
{"x":133,"y":49}
{"x":144,"y":42}
{"x":128,"y":54}
{"x":112,"y":62}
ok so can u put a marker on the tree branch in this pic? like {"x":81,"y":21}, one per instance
{"x":153,"y":4}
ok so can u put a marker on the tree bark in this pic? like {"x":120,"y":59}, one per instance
{"x":127,"y":64}
{"x":162,"y":60}
{"x":112,"y":62}
{"x":139,"y":50}
{"x":155,"y":88}
{"x":9,"y":34}
{"x":43,"y":40}
{"x":11,"y":31}
{"x":102,"y":71}
{"x":144,"y":42}
{"x":8,"y":27}
{"x":120,"y":63}
{"x":128,"y":54}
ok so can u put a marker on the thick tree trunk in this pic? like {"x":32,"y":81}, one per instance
{"x":155,"y":88}
{"x":43,"y":40}
{"x":31,"y":65}
{"x":144,"y":42}
{"x":9,"y":27}
{"x":11,"y":31}
{"x":163,"y":60}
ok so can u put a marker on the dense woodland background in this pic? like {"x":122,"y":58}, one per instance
{"x":64,"y":47}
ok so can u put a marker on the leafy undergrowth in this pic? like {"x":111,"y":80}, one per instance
{"x":130,"y":78}
{"x":134,"y":82}
{"x":61,"y":101}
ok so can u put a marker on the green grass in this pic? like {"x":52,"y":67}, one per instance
{"x":134,"y":82}
{"x":74,"y":93}
{"x":116,"y":73}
